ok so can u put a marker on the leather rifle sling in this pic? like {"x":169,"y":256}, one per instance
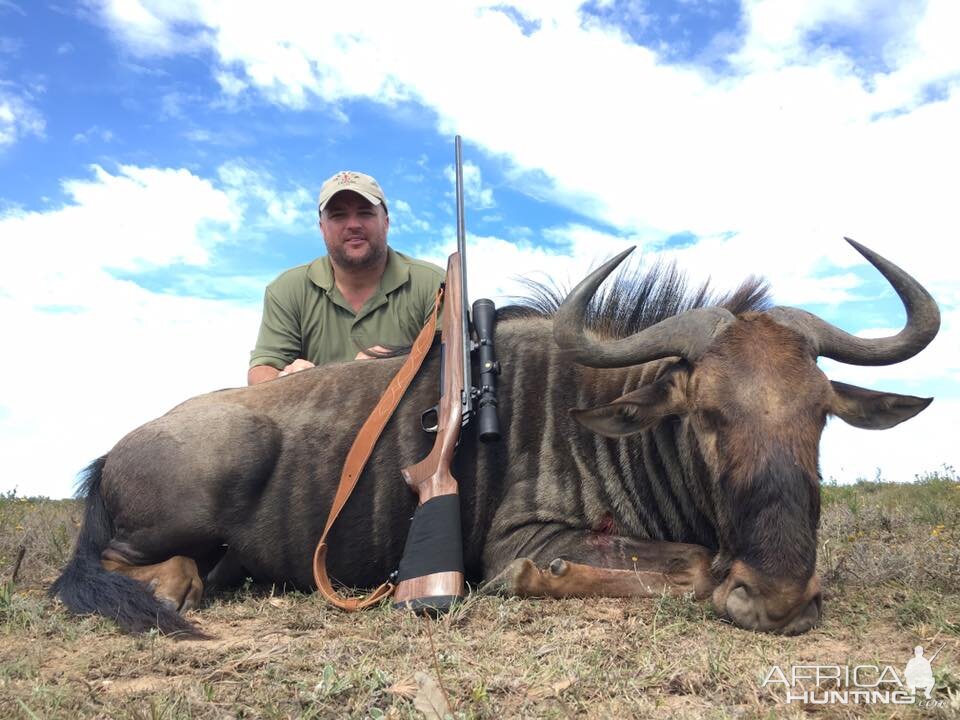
{"x":357,"y":458}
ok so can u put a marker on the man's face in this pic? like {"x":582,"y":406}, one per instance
{"x":354,"y":230}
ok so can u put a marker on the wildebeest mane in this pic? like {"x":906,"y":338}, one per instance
{"x":637,"y":298}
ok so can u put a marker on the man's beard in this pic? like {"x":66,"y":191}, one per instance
{"x":371,"y":259}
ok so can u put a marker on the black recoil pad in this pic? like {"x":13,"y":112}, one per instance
{"x":434,"y":543}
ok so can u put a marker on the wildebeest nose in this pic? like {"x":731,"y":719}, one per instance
{"x":750,"y":612}
{"x":749,"y":608}
{"x":807,"y":619}
{"x":741,"y":607}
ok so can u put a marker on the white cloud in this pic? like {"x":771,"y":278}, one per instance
{"x":137,"y":219}
{"x":171,"y":105}
{"x":10,"y":6}
{"x":10,"y":46}
{"x":496,"y":267}
{"x":475,"y":194}
{"x":246,"y":184}
{"x":777,"y":30}
{"x":18,"y":117}
{"x":200,"y":135}
{"x":789,"y":151}
{"x":121,"y":353}
{"x":230,"y":84}
{"x":128,"y":356}
{"x":153,"y":28}
{"x":926,"y":55}
{"x":403,"y":219}
{"x":221,"y":137}
{"x":94,"y":132}
{"x":923,"y":444}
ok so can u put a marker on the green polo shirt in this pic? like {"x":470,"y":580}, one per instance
{"x":306,"y":316}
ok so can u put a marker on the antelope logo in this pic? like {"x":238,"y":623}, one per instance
{"x":919,"y":673}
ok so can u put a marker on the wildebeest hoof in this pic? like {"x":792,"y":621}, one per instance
{"x":510,"y":580}
{"x":168,"y":603}
{"x":179,"y":586}
{"x":525,"y":579}
{"x":175,"y":583}
{"x":171,"y":602}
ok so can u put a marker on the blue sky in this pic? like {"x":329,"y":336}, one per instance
{"x":159,"y":163}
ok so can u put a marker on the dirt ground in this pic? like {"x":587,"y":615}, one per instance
{"x":889,"y":558}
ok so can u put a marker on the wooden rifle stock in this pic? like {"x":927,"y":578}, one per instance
{"x":431,"y":570}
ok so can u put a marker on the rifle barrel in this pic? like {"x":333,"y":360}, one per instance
{"x":466,"y":400}
{"x":461,"y":225}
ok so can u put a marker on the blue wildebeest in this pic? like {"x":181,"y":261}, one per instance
{"x":692,"y":467}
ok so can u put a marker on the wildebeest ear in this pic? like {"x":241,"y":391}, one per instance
{"x":873,"y":410}
{"x":633,"y":412}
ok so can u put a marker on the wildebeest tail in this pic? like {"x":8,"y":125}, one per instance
{"x":85,"y":587}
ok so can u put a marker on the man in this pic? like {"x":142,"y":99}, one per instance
{"x":362,"y":295}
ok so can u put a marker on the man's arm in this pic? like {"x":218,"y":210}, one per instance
{"x":278,"y":342}
{"x":261,"y":373}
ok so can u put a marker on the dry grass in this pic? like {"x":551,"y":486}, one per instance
{"x":890,"y":560}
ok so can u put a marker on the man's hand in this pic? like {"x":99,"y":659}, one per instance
{"x":262,"y":373}
{"x":296,"y":366}
{"x":362,"y":355}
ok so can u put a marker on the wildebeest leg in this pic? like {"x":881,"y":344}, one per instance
{"x":581,"y":563}
{"x":175,"y":582}
{"x":228,"y":572}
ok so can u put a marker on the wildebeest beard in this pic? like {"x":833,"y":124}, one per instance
{"x":774,"y":517}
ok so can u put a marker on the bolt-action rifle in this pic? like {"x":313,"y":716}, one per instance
{"x":430,"y":576}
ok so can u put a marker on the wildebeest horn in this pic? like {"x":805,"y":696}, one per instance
{"x":685,"y":335}
{"x":923,"y":322}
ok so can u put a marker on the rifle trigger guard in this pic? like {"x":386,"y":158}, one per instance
{"x":432,"y":424}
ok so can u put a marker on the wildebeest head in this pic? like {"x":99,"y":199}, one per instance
{"x":754,"y":403}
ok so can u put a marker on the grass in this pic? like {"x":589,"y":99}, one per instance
{"x":889,"y":559}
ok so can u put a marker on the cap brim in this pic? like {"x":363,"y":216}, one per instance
{"x":372,"y":199}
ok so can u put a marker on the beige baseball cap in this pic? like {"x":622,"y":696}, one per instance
{"x":357,"y":182}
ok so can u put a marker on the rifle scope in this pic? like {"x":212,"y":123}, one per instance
{"x":488,"y":423}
